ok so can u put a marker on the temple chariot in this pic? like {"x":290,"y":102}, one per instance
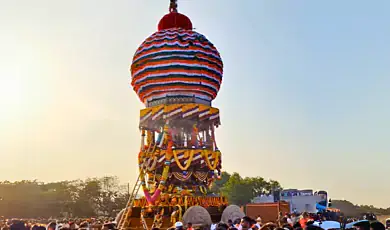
{"x":176,"y":72}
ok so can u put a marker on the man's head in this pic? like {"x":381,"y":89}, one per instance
{"x":108,"y":226}
{"x":189,"y":225}
{"x":84,"y":225}
{"x":72,"y":225}
{"x":222,"y":226}
{"x":18,"y":225}
{"x":51,"y":226}
{"x":362,"y":225}
{"x":237,"y":221}
{"x":376,"y":225}
{"x":179,"y":225}
{"x":247,"y":222}
{"x":313,"y":227}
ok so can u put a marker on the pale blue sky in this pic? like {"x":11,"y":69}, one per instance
{"x":305,"y":97}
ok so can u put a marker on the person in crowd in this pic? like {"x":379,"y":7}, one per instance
{"x":237,"y":223}
{"x":313,"y":227}
{"x":52,"y":226}
{"x":297,"y":225}
{"x":309,"y":222}
{"x":294,"y":218}
{"x":258,"y":222}
{"x":283,"y":221}
{"x":189,"y":226}
{"x":246,"y":223}
{"x":18,"y":225}
{"x":213,"y":226}
{"x":222,"y":226}
{"x":362,"y":225}
{"x":268,"y":226}
{"x":304,"y":219}
{"x":84,"y":225}
{"x":289,"y":220}
{"x":230,"y":223}
{"x":72,"y":225}
{"x":179,"y":226}
{"x":376,"y":225}
{"x":108,"y":226}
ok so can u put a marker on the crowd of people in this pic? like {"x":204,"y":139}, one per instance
{"x":48,"y":224}
{"x":293,"y":221}
{"x":304,"y":221}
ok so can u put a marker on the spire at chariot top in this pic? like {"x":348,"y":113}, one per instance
{"x":174,"y":19}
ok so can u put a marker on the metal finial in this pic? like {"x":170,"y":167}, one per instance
{"x":173,"y":6}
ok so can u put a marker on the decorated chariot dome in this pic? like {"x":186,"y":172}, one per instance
{"x":176,"y":72}
{"x":176,"y":63}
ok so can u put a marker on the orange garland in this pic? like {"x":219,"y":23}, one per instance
{"x":190,"y":201}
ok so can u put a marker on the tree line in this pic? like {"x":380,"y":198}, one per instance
{"x":106,"y":196}
{"x":77,"y":198}
{"x":103,"y":196}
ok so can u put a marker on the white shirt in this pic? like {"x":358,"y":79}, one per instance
{"x":289,"y":221}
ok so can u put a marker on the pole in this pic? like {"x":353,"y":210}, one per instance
{"x":279,"y":216}
{"x":128,"y":189}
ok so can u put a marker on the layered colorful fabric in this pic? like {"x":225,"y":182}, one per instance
{"x":177,"y":63}
{"x":196,"y":112}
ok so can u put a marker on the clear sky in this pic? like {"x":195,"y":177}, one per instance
{"x":305,"y":97}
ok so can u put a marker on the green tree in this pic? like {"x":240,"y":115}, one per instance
{"x":237,"y":190}
{"x":218,"y":184}
{"x":257,"y":185}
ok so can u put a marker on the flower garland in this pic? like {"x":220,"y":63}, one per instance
{"x":176,"y":215}
{"x":215,"y":156}
{"x":201,"y":175}
{"x":188,"y":164}
{"x":156,"y":195}
{"x":182,"y":177}
{"x":191,"y":201}
{"x":164,"y":176}
{"x":203,"y":190}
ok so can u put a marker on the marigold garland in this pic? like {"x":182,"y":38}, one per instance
{"x":188,"y":164}
{"x":191,"y":201}
{"x":203,"y":190}
{"x":200,"y":175}
{"x":176,"y":216}
{"x":215,"y":156}
{"x":181,"y":177}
